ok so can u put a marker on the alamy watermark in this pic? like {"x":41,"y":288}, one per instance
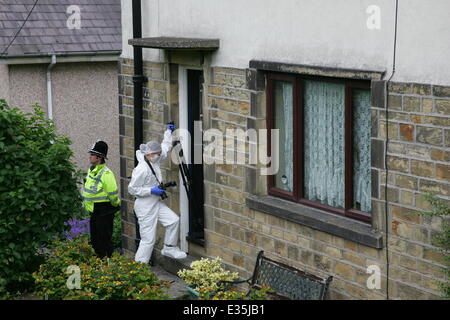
{"x":234,"y":146}
{"x":74,"y":279}
{"x":374,"y":280}
{"x":373,"y":21}
{"x":74,"y":20}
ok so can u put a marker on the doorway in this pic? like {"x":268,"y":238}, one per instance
{"x":192,"y":205}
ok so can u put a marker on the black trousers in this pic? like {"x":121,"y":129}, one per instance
{"x":101,"y":225}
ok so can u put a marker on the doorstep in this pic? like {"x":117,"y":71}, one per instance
{"x":173,"y":265}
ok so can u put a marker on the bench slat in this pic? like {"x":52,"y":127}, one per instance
{"x":288,"y":282}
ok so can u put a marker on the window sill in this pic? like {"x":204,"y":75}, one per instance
{"x":338,"y":226}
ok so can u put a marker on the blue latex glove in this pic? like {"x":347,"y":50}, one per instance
{"x":171,"y":127}
{"x":157,"y":191}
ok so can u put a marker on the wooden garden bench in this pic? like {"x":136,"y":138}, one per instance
{"x":286,"y":282}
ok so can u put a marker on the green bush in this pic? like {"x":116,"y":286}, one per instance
{"x":38,"y":191}
{"x":51,"y":277}
{"x":205,"y":273}
{"x":117,"y":231}
{"x":115,"y":278}
{"x":442,"y":240}
{"x":254,"y":294}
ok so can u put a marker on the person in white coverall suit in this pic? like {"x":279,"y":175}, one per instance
{"x":148,"y":206}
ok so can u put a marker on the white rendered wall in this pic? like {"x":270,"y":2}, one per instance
{"x":329,"y":33}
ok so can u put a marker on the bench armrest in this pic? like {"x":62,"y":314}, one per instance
{"x":225,"y":282}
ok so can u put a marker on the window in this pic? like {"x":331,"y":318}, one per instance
{"x":324,"y":142}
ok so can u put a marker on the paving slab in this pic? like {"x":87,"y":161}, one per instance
{"x":177,"y":285}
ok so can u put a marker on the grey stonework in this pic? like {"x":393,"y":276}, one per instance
{"x":417,"y":161}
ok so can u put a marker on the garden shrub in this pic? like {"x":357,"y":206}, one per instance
{"x":38,"y":191}
{"x":442,"y":240}
{"x":253,"y":294}
{"x":117,"y":231}
{"x":205,"y":273}
{"x":51,"y":277}
{"x":100,"y":279}
{"x":204,"y":276}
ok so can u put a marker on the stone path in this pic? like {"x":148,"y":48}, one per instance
{"x":177,"y":286}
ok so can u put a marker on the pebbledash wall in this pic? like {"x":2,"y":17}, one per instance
{"x":238,"y":225}
{"x":84,"y":93}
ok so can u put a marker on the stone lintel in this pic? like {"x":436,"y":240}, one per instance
{"x":176,"y":43}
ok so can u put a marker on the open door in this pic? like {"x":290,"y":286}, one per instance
{"x":192,"y":205}
{"x":196,"y":203}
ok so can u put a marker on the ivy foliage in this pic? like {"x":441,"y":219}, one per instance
{"x":38,"y":191}
{"x":440,"y":208}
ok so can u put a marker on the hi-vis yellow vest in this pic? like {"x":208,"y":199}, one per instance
{"x":100,"y":186}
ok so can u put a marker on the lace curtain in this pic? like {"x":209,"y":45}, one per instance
{"x":283,"y":122}
{"x":361,"y":150}
{"x":324,"y":142}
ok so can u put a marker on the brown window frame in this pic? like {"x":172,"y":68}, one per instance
{"x":298,"y":142}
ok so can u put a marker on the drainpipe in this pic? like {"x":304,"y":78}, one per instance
{"x":386,"y":208}
{"x":138,"y":77}
{"x":49,"y":88}
{"x":138,"y":80}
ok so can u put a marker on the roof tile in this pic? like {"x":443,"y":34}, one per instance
{"x":46,"y":30}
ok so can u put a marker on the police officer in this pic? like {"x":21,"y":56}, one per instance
{"x":101,"y":200}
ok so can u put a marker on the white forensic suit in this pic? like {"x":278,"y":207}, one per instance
{"x":150,"y":209}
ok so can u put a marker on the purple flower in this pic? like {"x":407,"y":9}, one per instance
{"x":77,"y":227}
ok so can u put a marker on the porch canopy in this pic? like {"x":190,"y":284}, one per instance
{"x":176,"y":43}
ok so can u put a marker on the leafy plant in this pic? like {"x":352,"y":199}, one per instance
{"x":442,"y":240}
{"x":51,"y":277}
{"x":100,"y":279}
{"x":117,"y":231}
{"x":254,"y":294}
{"x":38,"y":191}
{"x":205,"y":273}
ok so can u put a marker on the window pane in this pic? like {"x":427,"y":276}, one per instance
{"x":361,"y":151}
{"x":324,"y":142}
{"x":283,"y":122}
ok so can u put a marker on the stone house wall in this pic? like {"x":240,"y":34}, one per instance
{"x":418,"y":161}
